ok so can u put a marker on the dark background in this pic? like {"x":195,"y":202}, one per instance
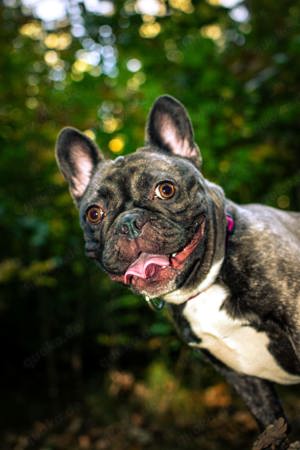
{"x":84,"y":363}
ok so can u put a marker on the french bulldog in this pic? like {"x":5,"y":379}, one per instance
{"x":229,"y":274}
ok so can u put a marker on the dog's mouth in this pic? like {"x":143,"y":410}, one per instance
{"x":150,"y":269}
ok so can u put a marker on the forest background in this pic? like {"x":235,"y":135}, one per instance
{"x":85,"y":364}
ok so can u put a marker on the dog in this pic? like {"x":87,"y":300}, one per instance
{"x":229,"y":274}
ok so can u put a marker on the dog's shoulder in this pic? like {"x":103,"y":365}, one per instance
{"x":274,"y":221}
{"x":265,"y":236}
{"x":262,"y":265}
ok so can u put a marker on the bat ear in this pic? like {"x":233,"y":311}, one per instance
{"x":169,"y":129}
{"x":77,"y":157}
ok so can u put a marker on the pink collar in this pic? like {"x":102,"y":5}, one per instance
{"x":230,"y":224}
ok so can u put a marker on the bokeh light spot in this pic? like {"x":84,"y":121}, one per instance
{"x":101,"y":7}
{"x":240,"y":14}
{"x":111,"y":124}
{"x":185,"y":6}
{"x":150,"y":7}
{"x":134,"y":65}
{"x":58,"y":41}
{"x":150,"y":30}
{"x":51,"y":58}
{"x":32,"y":29}
{"x":116,"y":145}
{"x":49,"y":10}
{"x":80,"y":66}
{"x":213,"y":32}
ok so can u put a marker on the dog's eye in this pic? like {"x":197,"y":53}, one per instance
{"x":94,"y":214}
{"x":165,"y":190}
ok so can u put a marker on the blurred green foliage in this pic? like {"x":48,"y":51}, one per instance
{"x":239,"y":77}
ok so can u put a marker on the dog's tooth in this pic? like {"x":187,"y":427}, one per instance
{"x":173,"y":255}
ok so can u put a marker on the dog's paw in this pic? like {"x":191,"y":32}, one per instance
{"x":274,"y":437}
{"x":294,"y":446}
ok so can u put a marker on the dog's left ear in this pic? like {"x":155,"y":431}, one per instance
{"x":170,"y":130}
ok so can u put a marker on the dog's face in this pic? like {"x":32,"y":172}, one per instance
{"x":149,"y":219}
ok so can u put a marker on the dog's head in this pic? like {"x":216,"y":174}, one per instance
{"x":149,"y":219}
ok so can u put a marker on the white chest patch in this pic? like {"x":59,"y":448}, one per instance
{"x":232,"y":341}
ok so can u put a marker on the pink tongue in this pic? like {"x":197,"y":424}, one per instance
{"x":145,"y":266}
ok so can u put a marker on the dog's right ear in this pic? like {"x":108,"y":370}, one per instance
{"x":77,"y":157}
{"x":169,"y":130}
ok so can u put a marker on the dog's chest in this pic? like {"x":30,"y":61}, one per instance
{"x":232,"y":341}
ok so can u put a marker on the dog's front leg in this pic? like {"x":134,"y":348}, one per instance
{"x":262,"y":400}
{"x":259,"y":395}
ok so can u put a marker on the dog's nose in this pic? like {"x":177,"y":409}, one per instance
{"x":130,"y":226}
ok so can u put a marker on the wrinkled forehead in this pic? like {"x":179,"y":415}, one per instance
{"x":150,"y":164}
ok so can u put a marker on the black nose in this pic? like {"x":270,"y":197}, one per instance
{"x":130,"y":226}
